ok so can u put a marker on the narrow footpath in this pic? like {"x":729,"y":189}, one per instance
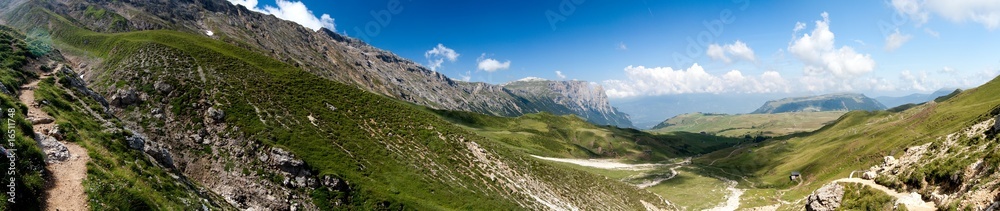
{"x":66,"y":192}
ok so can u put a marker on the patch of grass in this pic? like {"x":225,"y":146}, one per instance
{"x":692,"y":191}
{"x":861,"y":197}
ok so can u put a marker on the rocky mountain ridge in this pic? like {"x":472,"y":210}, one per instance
{"x":327,"y":54}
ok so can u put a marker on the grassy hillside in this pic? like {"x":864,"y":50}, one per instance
{"x":26,"y":159}
{"x":393,"y":155}
{"x":744,"y":124}
{"x":568,"y":136}
{"x":117,"y":179}
{"x":857,"y":141}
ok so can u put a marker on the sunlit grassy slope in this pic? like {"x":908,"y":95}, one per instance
{"x":742,"y":124}
{"x":856,"y":141}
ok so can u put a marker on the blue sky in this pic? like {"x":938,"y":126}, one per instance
{"x":640,"y":48}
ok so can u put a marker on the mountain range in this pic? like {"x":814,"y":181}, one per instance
{"x":829,"y":102}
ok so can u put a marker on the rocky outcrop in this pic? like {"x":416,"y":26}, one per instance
{"x":124,"y":98}
{"x":54,"y":151}
{"x":826,"y":198}
{"x":80,"y":86}
{"x":584,"y":99}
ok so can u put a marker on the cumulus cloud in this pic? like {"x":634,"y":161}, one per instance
{"x":738,"y":49}
{"x":437,"y":55}
{"x":984,"y":12}
{"x":560,"y":75}
{"x":896,"y":40}
{"x":643,"y":81}
{"x":816,"y":50}
{"x":294,"y":11}
{"x":622,"y":46}
{"x":491,"y":65}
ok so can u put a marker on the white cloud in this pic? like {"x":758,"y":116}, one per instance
{"x":622,"y":46}
{"x":437,"y":55}
{"x":931,"y":32}
{"x":738,"y":49}
{"x":799,"y":26}
{"x":560,"y":75}
{"x":985,"y":12}
{"x":816,"y":50}
{"x":492,"y":65}
{"x":643,"y":81}
{"x":947,"y":69}
{"x":716,"y":52}
{"x":466,"y":77}
{"x":896,"y":40}
{"x":912,"y":9}
{"x":294,"y":11}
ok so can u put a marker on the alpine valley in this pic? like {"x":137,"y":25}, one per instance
{"x":211,"y":105}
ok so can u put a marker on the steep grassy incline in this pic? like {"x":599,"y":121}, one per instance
{"x":859,"y":140}
{"x":226,"y":114}
{"x":748,"y":124}
{"x":22,"y":161}
{"x":569,"y":136}
{"x":117,"y":179}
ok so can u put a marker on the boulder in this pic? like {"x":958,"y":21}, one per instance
{"x":889,"y":161}
{"x":996,"y":124}
{"x":825,"y":198}
{"x":162,"y":155}
{"x":40,"y":120}
{"x":56,"y":133}
{"x":136,"y":141}
{"x":215,"y":115}
{"x":124,"y":98}
{"x":869,"y":175}
{"x":54,"y":151}
{"x":162,"y":87}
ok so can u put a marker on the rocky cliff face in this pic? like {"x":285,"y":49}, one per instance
{"x":581,"y":98}
{"x":830,"y":102}
{"x":324,"y":53}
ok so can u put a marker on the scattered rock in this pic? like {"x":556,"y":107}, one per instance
{"x":3,"y":89}
{"x":57,"y":133}
{"x":996,"y":124}
{"x":162,"y":87}
{"x":54,"y":151}
{"x":136,"y":141}
{"x":162,"y":155}
{"x":40,"y":120}
{"x":124,"y":98}
{"x":889,"y":161}
{"x":825,"y":198}
{"x":216,"y":115}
